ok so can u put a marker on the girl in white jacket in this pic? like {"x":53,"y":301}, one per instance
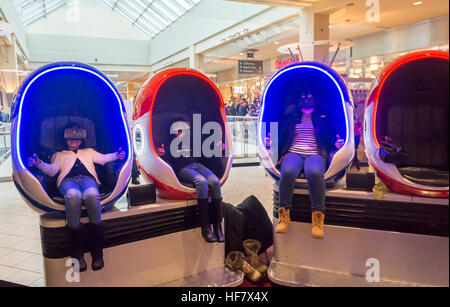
{"x":78,"y":183}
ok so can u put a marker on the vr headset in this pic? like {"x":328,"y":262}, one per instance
{"x":75,"y":134}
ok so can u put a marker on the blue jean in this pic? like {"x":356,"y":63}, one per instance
{"x":78,"y":190}
{"x":202,"y":178}
{"x":314,"y":169}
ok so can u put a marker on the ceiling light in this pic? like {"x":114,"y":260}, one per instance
{"x":418,"y":3}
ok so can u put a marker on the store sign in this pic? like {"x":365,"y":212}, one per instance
{"x":250,"y":67}
{"x":283,"y":63}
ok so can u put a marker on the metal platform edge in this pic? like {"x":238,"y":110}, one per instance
{"x":216,"y":277}
{"x":301,"y":276}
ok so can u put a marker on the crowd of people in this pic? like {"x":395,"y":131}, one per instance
{"x":240,"y":106}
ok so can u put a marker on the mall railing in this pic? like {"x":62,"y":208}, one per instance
{"x":5,"y":151}
{"x":244,"y":134}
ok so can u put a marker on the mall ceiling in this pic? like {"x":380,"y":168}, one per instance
{"x":393,"y":13}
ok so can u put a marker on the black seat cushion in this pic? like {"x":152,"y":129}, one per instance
{"x":426,"y":176}
{"x":420,"y":127}
{"x":188,"y":184}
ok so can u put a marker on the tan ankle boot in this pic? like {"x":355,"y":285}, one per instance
{"x":317,"y":225}
{"x":251,"y":248}
{"x":284,"y":220}
{"x":236,"y":261}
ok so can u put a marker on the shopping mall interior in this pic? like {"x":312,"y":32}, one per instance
{"x":92,"y":90}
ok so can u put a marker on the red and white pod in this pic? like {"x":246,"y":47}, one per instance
{"x":168,"y":95}
{"x":409,"y":103}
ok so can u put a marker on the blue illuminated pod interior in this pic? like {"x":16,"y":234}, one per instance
{"x":334,"y":104}
{"x":49,"y":99}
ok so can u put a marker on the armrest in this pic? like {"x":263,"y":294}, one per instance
{"x":110,"y":173}
{"x":40,"y":176}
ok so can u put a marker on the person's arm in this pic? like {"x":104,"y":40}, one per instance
{"x":106,"y":158}
{"x":49,"y":169}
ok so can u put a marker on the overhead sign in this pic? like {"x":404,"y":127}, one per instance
{"x":250,"y":67}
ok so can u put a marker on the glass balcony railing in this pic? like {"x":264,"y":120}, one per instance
{"x":244,"y":134}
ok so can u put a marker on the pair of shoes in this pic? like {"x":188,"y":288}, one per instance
{"x":216,"y":233}
{"x":284,"y":220}
{"x":76,"y":240}
{"x":235,"y":261}
{"x":251,"y":248}
{"x":135,"y":181}
{"x":317,"y":224}
{"x":96,"y":245}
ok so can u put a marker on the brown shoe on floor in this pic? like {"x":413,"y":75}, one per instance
{"x":235,"y":261}
{"x":252,"y":248}
{"x":284,"y":220}
{"x":317,"y":224}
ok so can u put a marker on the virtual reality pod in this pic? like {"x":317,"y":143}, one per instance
{"x":179,"y":95}
{"x":332,"y":101}
{"x":50,"y":100}
{"x":406,"y":125}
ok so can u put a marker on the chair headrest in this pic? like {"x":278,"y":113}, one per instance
{"x":52,"y":131}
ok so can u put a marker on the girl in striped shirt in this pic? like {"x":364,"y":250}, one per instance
{"x":307,"y":151}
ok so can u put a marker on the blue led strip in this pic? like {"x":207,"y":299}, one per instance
{"x":19,"y":114}
{"x":311,"y":67}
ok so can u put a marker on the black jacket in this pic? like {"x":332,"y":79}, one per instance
{"x":325,"y":141}
{"x":248,"y":220}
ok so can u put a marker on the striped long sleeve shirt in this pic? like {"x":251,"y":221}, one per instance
{"x":305,"y":138}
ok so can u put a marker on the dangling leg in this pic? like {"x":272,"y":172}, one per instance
{"x":314,"y":172}
{"x":216,"y":200}
{"x":135,"y":172}
{"x":189,"y":174}
{"x":72,"y":198}
{"x":91,"y":199}
{"x":291,"y":167}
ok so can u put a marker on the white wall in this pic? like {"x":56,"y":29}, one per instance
{"x":204,"y":20}
{"x":95,"y":20}
{"x":100,"y":37}
{"x":91,"y":50}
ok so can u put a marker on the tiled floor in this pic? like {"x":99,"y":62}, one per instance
{"x":20,"y":246}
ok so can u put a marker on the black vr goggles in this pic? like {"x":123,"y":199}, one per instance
{"x":75,"y":134}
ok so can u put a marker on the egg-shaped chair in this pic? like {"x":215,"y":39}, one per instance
{"x":178,"y":95}
{"x":406,"y":132}
{"x":52,"y":97}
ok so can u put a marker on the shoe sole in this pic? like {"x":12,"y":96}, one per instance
{"x":278,"y":231}
{"x":317,"y":237}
